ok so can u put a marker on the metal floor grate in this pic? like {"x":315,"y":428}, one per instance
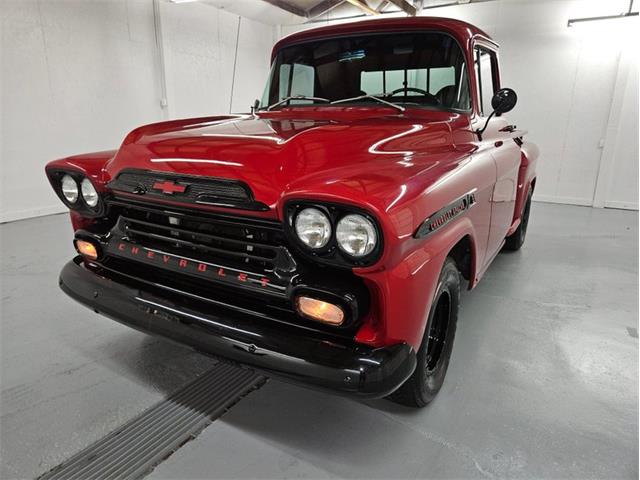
{"x":133,"y":450}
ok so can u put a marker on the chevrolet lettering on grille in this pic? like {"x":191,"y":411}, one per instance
{"x":205,"y":270}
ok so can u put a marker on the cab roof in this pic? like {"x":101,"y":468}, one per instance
{"x":461,"y":31}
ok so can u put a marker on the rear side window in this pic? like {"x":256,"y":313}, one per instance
{"x":440,"y":78}
{"x":431,"y":80}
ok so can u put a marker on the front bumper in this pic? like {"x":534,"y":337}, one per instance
{"x":291,"y":353}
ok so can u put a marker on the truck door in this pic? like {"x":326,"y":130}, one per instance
{"x":505,"y":152}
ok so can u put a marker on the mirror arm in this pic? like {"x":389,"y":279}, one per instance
{"x":255,"y":106}
{"x":480,"y":131}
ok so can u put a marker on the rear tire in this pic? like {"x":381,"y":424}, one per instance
{"x":437,"y":343}
{"x":515,"y":241}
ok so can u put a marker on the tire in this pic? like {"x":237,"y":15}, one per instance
{"x":515,"y":241}
{"x":433,"y":356}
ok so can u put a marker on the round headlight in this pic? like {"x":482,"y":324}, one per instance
{"x":356,"y":235}
{"x":313,"y":228}
{"x":69,"y":189}
{"x":89,"y":193}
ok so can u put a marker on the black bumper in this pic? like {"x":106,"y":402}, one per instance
{"x":289,"y":353}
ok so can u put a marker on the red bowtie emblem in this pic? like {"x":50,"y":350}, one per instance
{"x":169,"y":188}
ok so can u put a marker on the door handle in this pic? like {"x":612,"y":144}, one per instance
{"x":498,"y":143}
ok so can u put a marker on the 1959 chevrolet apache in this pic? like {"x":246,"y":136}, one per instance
{"x":324,"y":237}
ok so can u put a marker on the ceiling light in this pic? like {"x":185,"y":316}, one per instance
{"x":573,"y":21}
{"x":627,"y":14}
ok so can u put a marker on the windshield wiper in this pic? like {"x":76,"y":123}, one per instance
{"x":297,"y":97}
{"x":372,"y":97}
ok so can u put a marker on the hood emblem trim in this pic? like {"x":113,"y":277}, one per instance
{"x":187,"y":189}
{"x":169,"y":188}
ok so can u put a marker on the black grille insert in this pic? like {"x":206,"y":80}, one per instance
{"x":253,"y":245}
{"x":186,"y":188}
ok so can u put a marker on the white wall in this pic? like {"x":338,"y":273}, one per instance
{"x":617,"y":183}
{"x":71,"y":73}
{"x":622,"y":191}
{"x":566,"y":79}
{"x":199,"y":47}
{"x":76,"y":76}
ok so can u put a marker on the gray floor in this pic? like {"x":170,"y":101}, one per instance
{"x":543,"y":380}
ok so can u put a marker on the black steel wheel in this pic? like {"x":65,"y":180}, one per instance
{"x":437,"y":342}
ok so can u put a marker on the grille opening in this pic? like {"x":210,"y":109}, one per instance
{"x":237,"y":244}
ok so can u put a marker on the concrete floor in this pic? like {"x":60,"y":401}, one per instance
{"x":543,"y":380}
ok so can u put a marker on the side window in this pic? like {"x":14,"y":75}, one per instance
{"x":297,"y":81}
{"x":485,"y":65}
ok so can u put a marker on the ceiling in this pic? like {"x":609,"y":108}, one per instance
{"x":311,"y":9}
{"x":284,"y":12}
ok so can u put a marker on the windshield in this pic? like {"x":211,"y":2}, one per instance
{"x":421,"y":69}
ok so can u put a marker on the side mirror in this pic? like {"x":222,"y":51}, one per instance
{"x":503,"y":101}
{"x":254,"y":107}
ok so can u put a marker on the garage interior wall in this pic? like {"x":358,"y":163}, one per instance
{"x":577,"y":91}
{"x":78,"y":76}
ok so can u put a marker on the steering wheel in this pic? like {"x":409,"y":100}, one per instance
{"x":416,"y":90}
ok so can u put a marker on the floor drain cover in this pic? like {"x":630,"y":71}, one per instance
{"x":135,"y":448}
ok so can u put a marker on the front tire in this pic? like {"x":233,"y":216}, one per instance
{"x":437,"y":343}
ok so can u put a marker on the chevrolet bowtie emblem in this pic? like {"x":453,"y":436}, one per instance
{"x":169,"y":188}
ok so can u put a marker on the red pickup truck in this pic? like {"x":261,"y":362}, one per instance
{"x":324,"y":237}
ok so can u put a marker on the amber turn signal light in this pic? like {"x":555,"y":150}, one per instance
{"x":87,"y":249}
{"x":320,"y":310}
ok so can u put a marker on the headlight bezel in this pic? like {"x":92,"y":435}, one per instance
{"x":80,"y":205}
{"x":331,"y":254}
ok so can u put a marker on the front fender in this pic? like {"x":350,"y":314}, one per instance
{"x":89,"y":164}
{"x":526,"y":178}
{"x":405,"y":291}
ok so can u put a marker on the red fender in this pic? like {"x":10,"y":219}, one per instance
{"x":526,"y":180}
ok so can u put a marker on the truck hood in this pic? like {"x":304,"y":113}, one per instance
{"x":333,"y":153}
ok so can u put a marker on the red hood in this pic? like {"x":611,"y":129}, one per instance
{"x":331,"y":153}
